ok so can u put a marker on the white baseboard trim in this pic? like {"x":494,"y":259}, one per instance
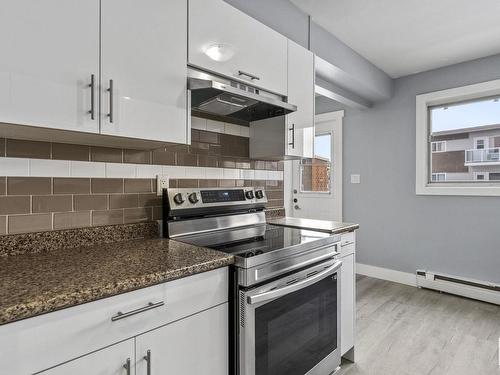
{"x":386,"y":274}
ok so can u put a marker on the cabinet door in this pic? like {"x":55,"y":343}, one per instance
{"x":112,"y":360}
{"x":50,"y":50}
{"x":347,"y":298}
{"x":251,"y":46}
{"x":144,"y":58}
{"x":300,"y":124}
{"x":194,"y":345}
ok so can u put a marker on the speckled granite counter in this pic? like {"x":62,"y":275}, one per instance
{"x":37,"y":283}
{"x":332,"y":227}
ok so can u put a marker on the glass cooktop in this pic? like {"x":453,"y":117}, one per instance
{"x":253,"y":240}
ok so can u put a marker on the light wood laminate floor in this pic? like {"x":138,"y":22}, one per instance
{"x":404,"y":330}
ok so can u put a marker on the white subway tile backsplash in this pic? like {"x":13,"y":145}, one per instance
{"x":214,"y":173}
{"x":275,"y":175}
{"x":232,"y":129}
{"x":116,"y":170}
{"x":174,"y":171}
{"x":231,"y":173}
{"x":247,"y":174}
{"x":198,"y":123}
{"x":14,"y":167}
{"x":87,"y":169}
{"x":215,"y":126}
{"x":50,"y":168}
{"x":245,"y":131}
{"x":148,"y":171}
{"x":195,"y":172}
{"x":260,"y":175}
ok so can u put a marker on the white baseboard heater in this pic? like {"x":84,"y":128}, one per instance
{"x":480,"y":290}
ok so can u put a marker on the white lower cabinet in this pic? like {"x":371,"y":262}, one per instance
{"x":347,"y":304}
{"x":194,"y":345}
{"x":114,"y":360}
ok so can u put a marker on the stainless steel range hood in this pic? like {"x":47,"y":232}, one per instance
{"x":224,"y":97}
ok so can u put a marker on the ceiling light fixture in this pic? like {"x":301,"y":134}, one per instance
{"x":219,"y":52}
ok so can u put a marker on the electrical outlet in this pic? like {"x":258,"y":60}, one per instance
{"x":355,"y":179}
{"x":161,"y":183}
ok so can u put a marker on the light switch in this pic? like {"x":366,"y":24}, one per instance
{"x":355,"y":179}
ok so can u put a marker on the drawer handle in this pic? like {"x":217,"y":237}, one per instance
{"x":251,"y":76}
{"x":122,"y":315}
{"x":346,"y":244}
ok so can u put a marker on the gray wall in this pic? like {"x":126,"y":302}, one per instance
{"x":400,"y":230}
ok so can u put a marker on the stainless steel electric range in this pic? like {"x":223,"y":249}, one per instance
{"x":285,"y":290}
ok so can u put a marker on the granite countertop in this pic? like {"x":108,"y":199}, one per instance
{"x":332,"y":227}
{"x":37,"y":283}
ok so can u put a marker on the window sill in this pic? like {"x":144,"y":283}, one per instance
{"x":459,"y":190}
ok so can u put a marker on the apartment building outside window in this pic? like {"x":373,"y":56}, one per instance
{"x":458,"y":141}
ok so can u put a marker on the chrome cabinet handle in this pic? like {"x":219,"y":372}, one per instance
{"x":292,"y":143}
{"x":110,"y":90}
{"x":346,"y":244}
{"x":92,"y":96}
{"x":121,"y":315}
{"x":147,"y":358}
{"x":294,"y":287}
{"x":251,"y":76}
{"x":126,"y":366}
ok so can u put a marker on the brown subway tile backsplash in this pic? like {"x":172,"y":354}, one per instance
{"x":123,"y":201}
{"x":71,"y":185}
{"x":208,"y":161}
{"x":137,"y":215}
{"x":14,"y":205}
{"x":28,"y":149}
{"x":67,"y":220}
{"x":90,"y":202}
{"x":189,"y":160}
{"x":52,"y":203}
{"x":29,"y":223}
{"x":163,"y":157}
{"x":29,"y":185}
{"x":107,"y":185}
{"x":106,"y":154}
{"x":3,"y":225}
{"x":149,"y":200}
{"x":63,"y":151}
{"x":137,"y":185}
{"x":157,"y":213}
{"x":137,"y":156}
{"x":208,"y":137}
{"x":187,"y":183}
{"x":109,"y":217}
{"x":208,"y":183}
{"x":3,"y":185}
{"x":2,"y":147}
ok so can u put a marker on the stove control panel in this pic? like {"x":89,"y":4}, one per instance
{"x":215,"y":197}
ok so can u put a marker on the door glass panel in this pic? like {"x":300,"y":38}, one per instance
{"x":315,"y":174}
{"x":295,"y":332}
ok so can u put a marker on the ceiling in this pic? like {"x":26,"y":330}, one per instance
{"x":411,"y":36}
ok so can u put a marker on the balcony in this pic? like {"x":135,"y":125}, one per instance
{"x":487,"y":156}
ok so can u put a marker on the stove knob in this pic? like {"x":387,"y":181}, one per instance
{"x":178,"y":198}
{"x":249,"y":194}
{"x":259,"y":194}
{"x":249,"y":254}
{"x":193,"y":198}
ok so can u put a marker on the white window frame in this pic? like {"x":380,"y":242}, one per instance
{"x":443,"y":146}
{"x":423,"y":102}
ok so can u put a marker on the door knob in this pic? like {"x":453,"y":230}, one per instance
{"x":295,"y":200}
{"x":296,"y":207}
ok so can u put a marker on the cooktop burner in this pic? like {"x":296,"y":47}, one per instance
{"x":247,"y":242}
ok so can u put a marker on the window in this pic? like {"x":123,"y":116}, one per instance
{"x":458,"y":147}
{"x":316,"y":174}
{"x":438,"y":146}
{"x":438,"y":177}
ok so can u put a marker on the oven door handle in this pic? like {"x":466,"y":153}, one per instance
{"x":272,"y":294}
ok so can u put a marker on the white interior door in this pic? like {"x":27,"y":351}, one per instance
{"x":316,"y":188}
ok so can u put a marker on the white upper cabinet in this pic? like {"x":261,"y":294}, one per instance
{"x":144,"y":58}
{"x":50,"y":51}
{"x":300,"y":134}
{"x":249,"y":51}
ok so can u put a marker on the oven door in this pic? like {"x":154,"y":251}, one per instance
{"x":292,"y":326}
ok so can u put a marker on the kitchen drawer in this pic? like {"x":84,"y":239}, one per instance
{"x":44,"y":341}
{"x":347,"y":243}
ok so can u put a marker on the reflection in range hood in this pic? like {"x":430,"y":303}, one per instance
{"x":220,"y":96}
